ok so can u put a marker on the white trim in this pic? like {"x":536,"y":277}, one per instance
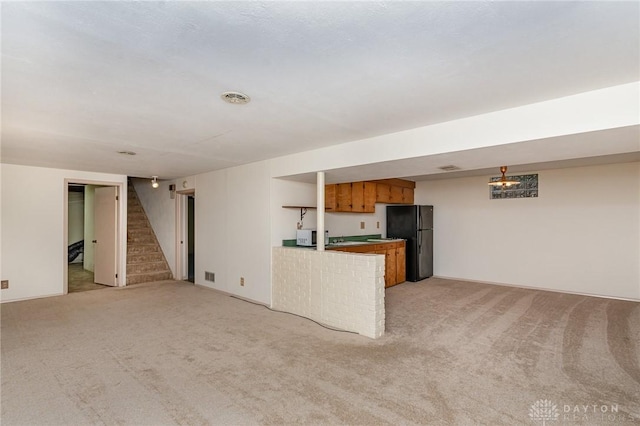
{"x":554,"y":290}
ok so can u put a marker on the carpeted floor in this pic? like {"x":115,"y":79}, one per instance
{"x":454,"y":353}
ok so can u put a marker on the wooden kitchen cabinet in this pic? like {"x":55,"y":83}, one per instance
{"x":343,"y":196}
{"x":394,"y":259}
{"x":394,"y":191}
{"x":383,"y":193}
{"x":330,"y":200}
{"x":357,"y":197}
{"x":363,"y":197}
{"x":390,"y":267}
{"x":401,"y":262}
{"x":407,"y":195}
{"x":395,"y":195}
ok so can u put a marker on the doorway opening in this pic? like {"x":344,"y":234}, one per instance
{"x":191,"y":233}
{"x":91,"y":237}
{"x":185,"y":236}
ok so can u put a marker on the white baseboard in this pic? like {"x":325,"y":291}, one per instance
{"x":555,"y":290}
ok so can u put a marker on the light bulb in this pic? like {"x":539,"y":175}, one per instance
{"x":154,"y":182}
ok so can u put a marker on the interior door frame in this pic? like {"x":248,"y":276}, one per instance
{"x":182,"y":264}
{"x":121,"y":226}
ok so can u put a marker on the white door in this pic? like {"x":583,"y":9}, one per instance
{"x":105,"y":233}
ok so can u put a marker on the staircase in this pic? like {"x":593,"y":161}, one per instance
{"x":145,"y":260}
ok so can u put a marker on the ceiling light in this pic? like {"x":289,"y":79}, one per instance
{"x":154,"y":182}
{"x":126,"y":152}
{"x":235,"y":98}
{"x":503,"y":181}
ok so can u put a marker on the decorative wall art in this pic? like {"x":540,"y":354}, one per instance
{"x":527,"y":188}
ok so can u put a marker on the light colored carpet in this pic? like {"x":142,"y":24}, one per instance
{"x":454,"y":353}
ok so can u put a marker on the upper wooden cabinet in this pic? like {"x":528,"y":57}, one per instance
{"x":407,"y":195}
{"x":343,"y":196}
{"x":383,"y":193}
{"x":361,"y":197}
{"x":357,"y":197}
{"x":394,"y":191}
{"x":330,"y":197}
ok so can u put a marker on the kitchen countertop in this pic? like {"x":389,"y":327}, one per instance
{"x":341,"y":244}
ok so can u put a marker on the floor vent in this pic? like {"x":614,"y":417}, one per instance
{"x":209,"y":276}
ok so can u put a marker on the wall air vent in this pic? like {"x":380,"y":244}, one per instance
{"x":450,"y":168}
{"x":209,"y":276}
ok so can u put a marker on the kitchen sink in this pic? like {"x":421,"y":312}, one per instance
{"x":347,"y":243}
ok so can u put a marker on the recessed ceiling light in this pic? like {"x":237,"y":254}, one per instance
{"x":126,"y":152}
{"x":449,"y":168}
{"x":235,"y":98}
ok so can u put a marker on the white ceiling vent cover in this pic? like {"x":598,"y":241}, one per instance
{"x":449,"y":168}
{"x":235,"y":98}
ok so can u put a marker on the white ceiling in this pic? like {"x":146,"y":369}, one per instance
{"x":82,"y":80}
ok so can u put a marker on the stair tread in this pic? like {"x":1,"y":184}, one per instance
{"x":138,"y":274}
{"x":143,"y":248}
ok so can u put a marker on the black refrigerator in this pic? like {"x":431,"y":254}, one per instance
{"x":414,"y":224}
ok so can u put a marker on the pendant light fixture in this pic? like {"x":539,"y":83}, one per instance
{"x":154,"y":182}
{"x":504,"y":182}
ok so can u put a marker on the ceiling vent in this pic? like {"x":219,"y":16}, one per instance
{"x":235,"y":98}
{"x":450,"y":168}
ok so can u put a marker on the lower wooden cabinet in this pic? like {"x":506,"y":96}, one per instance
{"x":394,"y":259}
{"x":401,"y":263}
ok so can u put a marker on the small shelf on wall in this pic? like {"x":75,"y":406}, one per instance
{"x":303,"y":209}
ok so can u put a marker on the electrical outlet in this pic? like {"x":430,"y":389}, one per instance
{"x":361,"y":225}
{"x":5,"y":284}
{"x":378,"y":225}
{"x":242,"y":281}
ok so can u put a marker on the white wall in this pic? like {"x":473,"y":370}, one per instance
{"x":342,"y":224}
{"x":582,"y":234}
{"x":34,"y":228}
{"x":75,"y":228}
{"x":284,"y":221}
{"x":161,"y":212}
{"x":233,"y":223}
